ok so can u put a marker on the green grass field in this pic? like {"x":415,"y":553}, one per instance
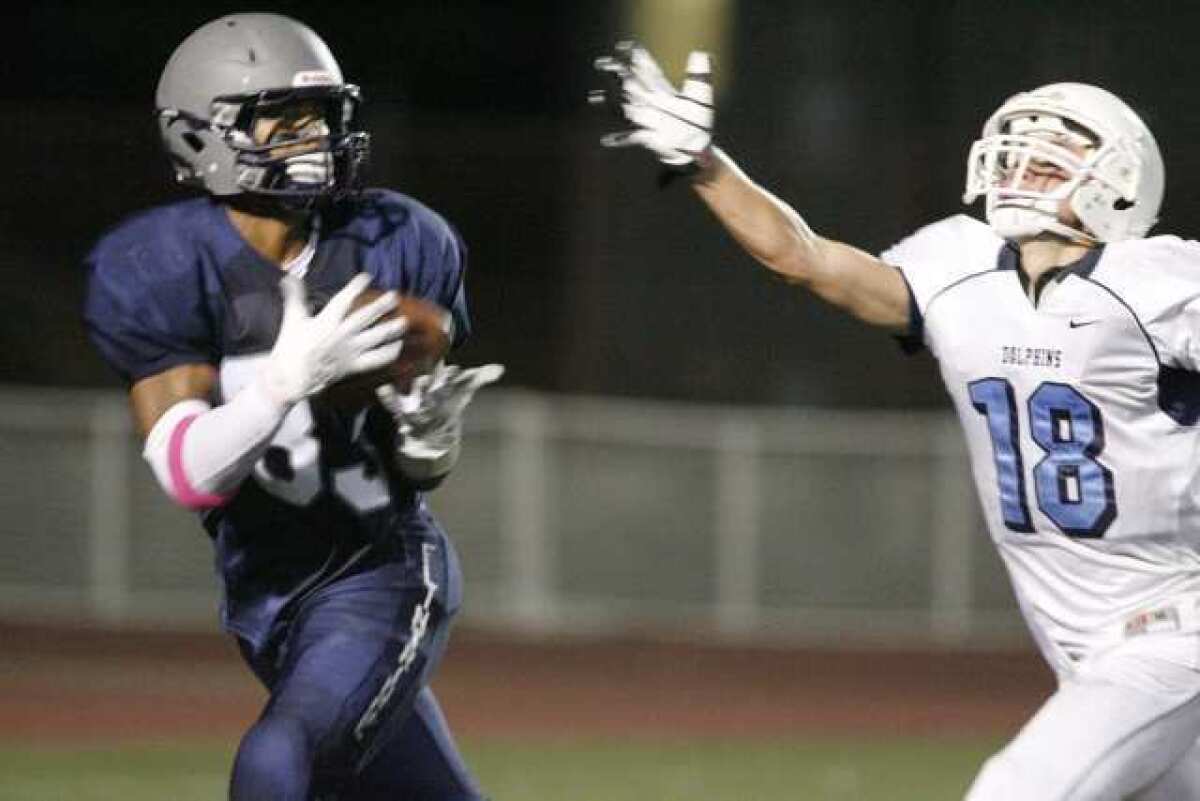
{"x":584,"y":770}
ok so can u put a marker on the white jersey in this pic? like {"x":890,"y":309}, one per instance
{"x":1082,"y":418}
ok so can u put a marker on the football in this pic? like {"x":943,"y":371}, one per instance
{"x":426,"y":342}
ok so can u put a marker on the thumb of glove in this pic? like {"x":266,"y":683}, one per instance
{"x":462,"y":387}
{"x":485,"y":374}
{"x":697,"y":85}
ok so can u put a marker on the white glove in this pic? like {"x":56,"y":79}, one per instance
{"x":676,"y":125}
{"x":312,"y":352}
{"x":429,"y":416}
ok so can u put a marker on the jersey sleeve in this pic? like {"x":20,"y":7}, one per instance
{"x":1159,"y":280}
{"x":448,"y":283}
{"x":935,"y":258}
{"x":427,"y":257}
{"x":145,"y":311}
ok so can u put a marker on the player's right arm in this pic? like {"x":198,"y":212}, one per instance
{"x":200,"y":452}
{"x":676,"y":125}
{"x":778,"y":238}
{"x":151,"y":397}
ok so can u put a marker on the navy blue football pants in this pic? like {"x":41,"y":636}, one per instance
{"x":350,"y":716}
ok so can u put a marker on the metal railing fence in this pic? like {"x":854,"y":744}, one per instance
{"x":571,"y":514}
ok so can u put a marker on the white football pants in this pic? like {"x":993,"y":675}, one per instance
{"x":1122,"y":727}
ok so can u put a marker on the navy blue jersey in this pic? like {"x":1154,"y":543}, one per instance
{"x":178,"y":285}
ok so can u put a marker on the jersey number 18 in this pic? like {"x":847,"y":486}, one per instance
{"x":1072,"y":488}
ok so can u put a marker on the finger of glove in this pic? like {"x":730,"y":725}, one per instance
{"x":618,"y":59}
{"x":388,"y":398}
{"x":417,"y":392}
{"x":668,"y":124}
{"x":699,"y":66}
{"x":374,"y":358}
{"x":367,"y":315}
{"x":610,"y":99}
{"x":340,"y":303}
{"x":646,"y":108}
{"x":649,"y":139}
{"x":662,"y":133}
{"x":646,"y":70}
{"x":687,"y":110}
{"x":481,"y":376}
{"x":698,"y":91}
{"x":675,"y":158}
{"x":651,"y":118}
{"x":612,"y":65}
{"x":625,"y":138}
{"x":442,"y":377}
{"x":468,"y":382}
{"x":376,"y":335}
{"x":636,"y":93}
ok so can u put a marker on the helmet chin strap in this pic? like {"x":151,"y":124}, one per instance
{"x":1031,"y":218}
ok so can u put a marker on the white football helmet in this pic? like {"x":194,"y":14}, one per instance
{"x":1115,"y":187}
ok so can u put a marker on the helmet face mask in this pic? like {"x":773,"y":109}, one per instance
{"x":321,"y":158}
{"x":1006,"y":168}
{"x":1108,"y":170}
{"x":233,"y":74}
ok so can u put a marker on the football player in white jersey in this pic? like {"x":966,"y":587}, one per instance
{"x":1070,"y":345}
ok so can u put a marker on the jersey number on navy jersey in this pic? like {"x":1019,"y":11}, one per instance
{"x":1073,"y":489}
{"x":290,"y":469}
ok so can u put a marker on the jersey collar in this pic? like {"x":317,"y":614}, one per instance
{"x":1009,"y":258}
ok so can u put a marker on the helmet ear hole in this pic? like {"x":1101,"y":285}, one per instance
{"x":193,"y":141}
{"x":1121,"y":204}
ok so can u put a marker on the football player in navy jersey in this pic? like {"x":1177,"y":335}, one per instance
{"x":227,"y":315}
{"x":1069,"y":342}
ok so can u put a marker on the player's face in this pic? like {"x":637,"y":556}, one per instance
{"x":293,"y":122}
{"x":1045,"y":176}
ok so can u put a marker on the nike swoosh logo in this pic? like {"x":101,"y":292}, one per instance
{"x":1082,"y":323}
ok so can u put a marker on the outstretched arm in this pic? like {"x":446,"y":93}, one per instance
{"x":676,"y":125}
{"x":778,"y":237}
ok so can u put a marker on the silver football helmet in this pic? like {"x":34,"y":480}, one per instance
{"x":235,"y":70}
{"x":1113,"y":168}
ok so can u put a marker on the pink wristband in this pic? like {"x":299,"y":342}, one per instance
{"x":182,"y":489}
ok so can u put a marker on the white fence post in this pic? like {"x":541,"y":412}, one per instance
{"x":737,"y":498}
{"x":523,"y":511}
{"x":953,"y":537}
{"x":108,"y":513}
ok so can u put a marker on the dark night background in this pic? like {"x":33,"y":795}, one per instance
{"x":585,"y":277}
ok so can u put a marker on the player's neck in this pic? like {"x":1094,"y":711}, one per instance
{"x":1047,"y":252}
{"x":277,"y":238}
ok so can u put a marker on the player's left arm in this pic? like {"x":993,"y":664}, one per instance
{"x":428,"y":415}
{"x":429,"y":419}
